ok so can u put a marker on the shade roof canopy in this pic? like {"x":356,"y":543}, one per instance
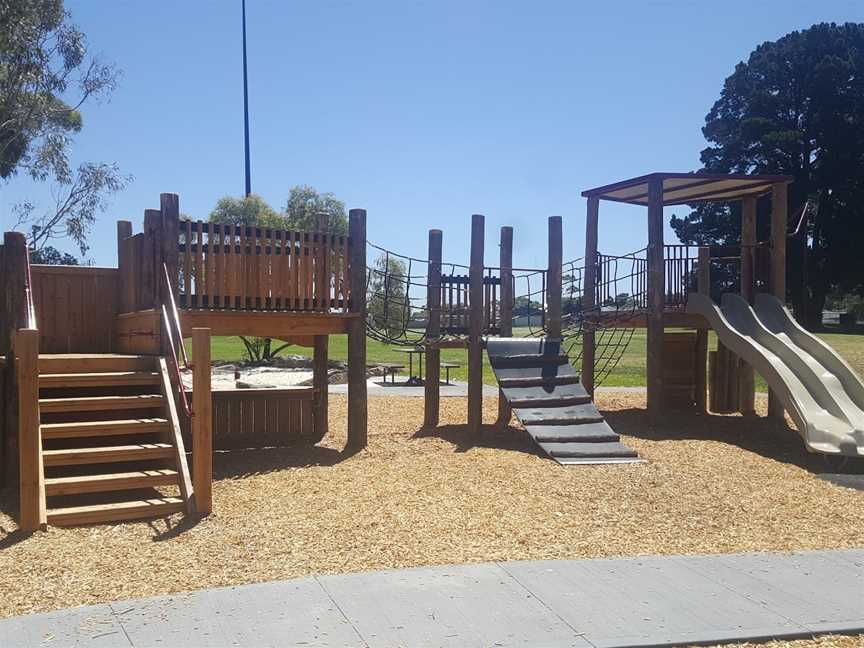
{"x":683,"y":188}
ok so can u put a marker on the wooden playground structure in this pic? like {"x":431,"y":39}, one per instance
{"x":94,"y":399}
{"x":95,"y":407}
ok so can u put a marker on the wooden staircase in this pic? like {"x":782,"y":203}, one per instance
{"x":111,"y":443}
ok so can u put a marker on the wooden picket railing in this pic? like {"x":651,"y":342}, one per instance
{"x":250,"y":268}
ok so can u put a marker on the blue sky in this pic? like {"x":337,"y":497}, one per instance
{"x":421,"y":112}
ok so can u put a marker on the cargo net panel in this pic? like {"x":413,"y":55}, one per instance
{"x":620,"y":295}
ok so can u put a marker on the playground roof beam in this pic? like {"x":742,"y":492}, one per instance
{"x":684,"y":188}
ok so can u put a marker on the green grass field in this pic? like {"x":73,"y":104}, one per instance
{"x":630,"y":371}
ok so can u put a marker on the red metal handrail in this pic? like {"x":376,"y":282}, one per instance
{"x":167,"y":322}
{"x":30,"y":314}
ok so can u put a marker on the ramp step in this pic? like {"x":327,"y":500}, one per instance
{"x":110,"y":482}
{"x":101,"y":379}
{"x":100,"y":403}
{"x":528,"y":360}
{"x":80,"y":429}
{"x":539,"y":381}
{"x":107,"y":454}
{"x":131,"y":510}
{"x":575,"y":414}
{"x":588,"y":450}
{"x":525,"y":397}
{"x":590,"y":432}
{"x":596,"y":461}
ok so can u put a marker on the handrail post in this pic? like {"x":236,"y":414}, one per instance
{"x":169,"y":205}
{"x":553,"y":279}
{"x":202,"y":422}
{"x":589,"y":296}
{"x":432,"y":386}
{"x":357,"y":405}
{"x":475,"y":325}
{"x":31,"y":477}
{"x":505,"y":413}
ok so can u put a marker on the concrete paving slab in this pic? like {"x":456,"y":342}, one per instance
{"x":459,"y":606}
{"x":646,"y":601}
{"x":817,"y":592}
{"x":94,"y":626}
{"x":297,"y":612}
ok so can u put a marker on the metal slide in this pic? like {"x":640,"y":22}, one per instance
{"x":821,"y":392}
{"x":546,"y":395}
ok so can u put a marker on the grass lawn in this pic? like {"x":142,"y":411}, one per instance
{"x":630,"y":371}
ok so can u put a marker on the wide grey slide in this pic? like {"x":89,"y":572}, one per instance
{"x":821,"y":392}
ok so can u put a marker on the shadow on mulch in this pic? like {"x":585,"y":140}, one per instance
{"x":759,"y":435}
{"x":495,"y":436}
{"x":237,"y":464}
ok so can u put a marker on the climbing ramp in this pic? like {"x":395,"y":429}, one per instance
{"x":546,"y":395}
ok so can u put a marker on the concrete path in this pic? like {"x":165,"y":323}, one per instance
{"x":643,"y":601}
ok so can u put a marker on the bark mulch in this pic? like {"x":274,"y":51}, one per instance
{"x":418,"y":497}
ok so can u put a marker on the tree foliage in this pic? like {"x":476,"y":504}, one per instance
{"x":305,"y":203}
{"x":248,"y":210}
{"x":44,"y":60}
{"x":796,"y":107}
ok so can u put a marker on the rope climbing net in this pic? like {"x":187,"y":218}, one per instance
{"x":398,"y":310}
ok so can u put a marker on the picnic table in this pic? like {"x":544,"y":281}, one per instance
{"x":412,"y":351}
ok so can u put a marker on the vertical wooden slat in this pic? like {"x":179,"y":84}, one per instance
{"x":432,"y":384}
{"x":553,"y":279}
{"x":231,"y":267}
{"x":506,"y":308}
{"x":217,"y":250}
{"x":210,"y":264}
{"x":242,"y":259}
{"x":169,"y":206}
{"x":188,"y":270}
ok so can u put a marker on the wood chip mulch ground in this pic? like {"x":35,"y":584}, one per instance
{"x":420,"y":497}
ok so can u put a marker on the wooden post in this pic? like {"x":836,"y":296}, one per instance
{"x":553,"y":279}
{"x":150,"y":265}
{"x":656,"y":298}
{"x":432,"y":385}
{"x":320,"y":384}
{"x":124,"y":231}
{"x":588,"y":293}
{"x":12,"y":309}
{"x":779,"y":219}
{"x":703,"y":286}
{"x":475,"y":323}
{"x":746,"y":378}
{"x":169,"y":205}
{"x":357,"y":406}
{"x":202,"y":422}
{"x":31,"y":476}
{"x":506,"y":312}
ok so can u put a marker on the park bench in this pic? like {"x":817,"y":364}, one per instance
{"x":447,"y":366}
{"x":391,"y":368}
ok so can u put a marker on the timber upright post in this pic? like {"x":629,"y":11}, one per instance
{"x":169,"y":205}
{"x":475,"y":329}
{"x":588,"y":293}
{"x":320,"y":379}
{"x":656,"y":298}
{"x":202,"y":422}
{"x":357,"y":406}
{"x":553,"y":280}
{"x":432,"y":386}
{"x":746,"y":378}
{"x":779,"y":218}
{"x":506,"y":308}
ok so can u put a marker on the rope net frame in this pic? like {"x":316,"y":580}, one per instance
{"x":398,"y":312}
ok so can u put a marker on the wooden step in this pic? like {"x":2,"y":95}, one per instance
{"x":100,"y":403}
{"x":81,"y":429}
{"x":131,"y":510}
{"x":551,"y":401}
{"x":110,"y":482}
{"x":102,"y":379}
{"x":57,"y":363}
{"x":107,"y":454}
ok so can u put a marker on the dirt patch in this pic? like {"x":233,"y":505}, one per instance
{"x":420,"y":497}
